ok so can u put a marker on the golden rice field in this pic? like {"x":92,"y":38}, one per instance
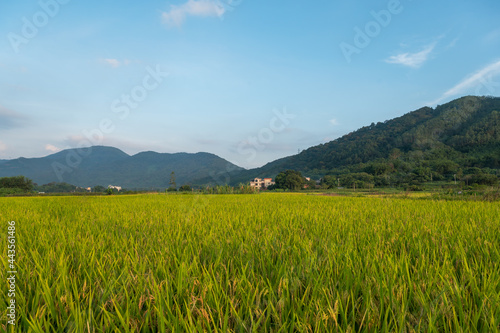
{"x":252,"y":263}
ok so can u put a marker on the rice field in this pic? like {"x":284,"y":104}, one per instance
{"x":251,"y":263}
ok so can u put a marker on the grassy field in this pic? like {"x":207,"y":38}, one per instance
{"x":252,"y":263}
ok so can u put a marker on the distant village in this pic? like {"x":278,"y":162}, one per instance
{"x":258,"y":183}
{"x":261,"y":183}
{"x":118,"y":188}
{"x":264,"y":183}
{"x":255,"y":183}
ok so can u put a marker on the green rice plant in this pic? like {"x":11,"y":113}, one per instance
{"x":252,"y":263}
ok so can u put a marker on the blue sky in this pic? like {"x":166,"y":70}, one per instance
{"x":250,"y":81}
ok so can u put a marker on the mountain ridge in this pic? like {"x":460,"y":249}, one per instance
{"x":465,"y":131}
{"x":447,"y":139}
{"x":101,"y":165}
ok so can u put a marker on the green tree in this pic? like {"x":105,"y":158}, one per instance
{"x":378,"y":169}
{"x":290,"y":179}
{"x":172,"y":180}
{"x":59,"y":188}
{"x":329,"y":181}
{"x":310,"y":184}
{"x":19,"y":182}
{"x":185,"y":188}
{"x":483,"y":179}
{"x":99,"y":189}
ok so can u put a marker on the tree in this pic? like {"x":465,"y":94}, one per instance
{"x":483,"y":179}
{"x":59,"y":188}
{"x":19,"y":182}
{"x":445,"y":167}
{"x":172,"y":181}
{"x":310,"y":184}
{"x":185,"y":188}
{"x":422,"y":174}
{"x":378,"y":169}
{"x":270,"y":187}
{"x":290,"y":179}
{"x":99,"y":189}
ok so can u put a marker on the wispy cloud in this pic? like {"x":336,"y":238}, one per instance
{"x":480,"y":80}
{"x":493,"y":37}
{"x":201,"y":8}
{"x":115,"y":63}
{"x":453,"y":43}
{"x":413,"y":60}
{"x":3,"y":146}
{"x":10,"y":119}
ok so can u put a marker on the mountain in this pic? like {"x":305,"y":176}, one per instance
{"x":110,"y":166}
{"x":440,"y":142}
{"x":464,"y":133}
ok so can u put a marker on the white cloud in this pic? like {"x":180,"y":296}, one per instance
{"x":52,"y":148}
{"x":481,"y":80}
{"x":413,"y":60}
{"x":202,"y":8}
{"x":453,"y":43}
{"x":115,"y":63}
{"x":112,"y":62}
{"x":334,"y":122}
{"x":3,"y":146}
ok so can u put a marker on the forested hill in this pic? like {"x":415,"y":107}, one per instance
{"x":111,"y":166}
{"x":461,"y":134}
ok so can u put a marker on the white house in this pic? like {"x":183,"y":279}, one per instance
{"x":261,"y":183}
{"x":118,"y":188}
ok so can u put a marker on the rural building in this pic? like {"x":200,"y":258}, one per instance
{"x":261,"y":183}
{"x":118,"y":188}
